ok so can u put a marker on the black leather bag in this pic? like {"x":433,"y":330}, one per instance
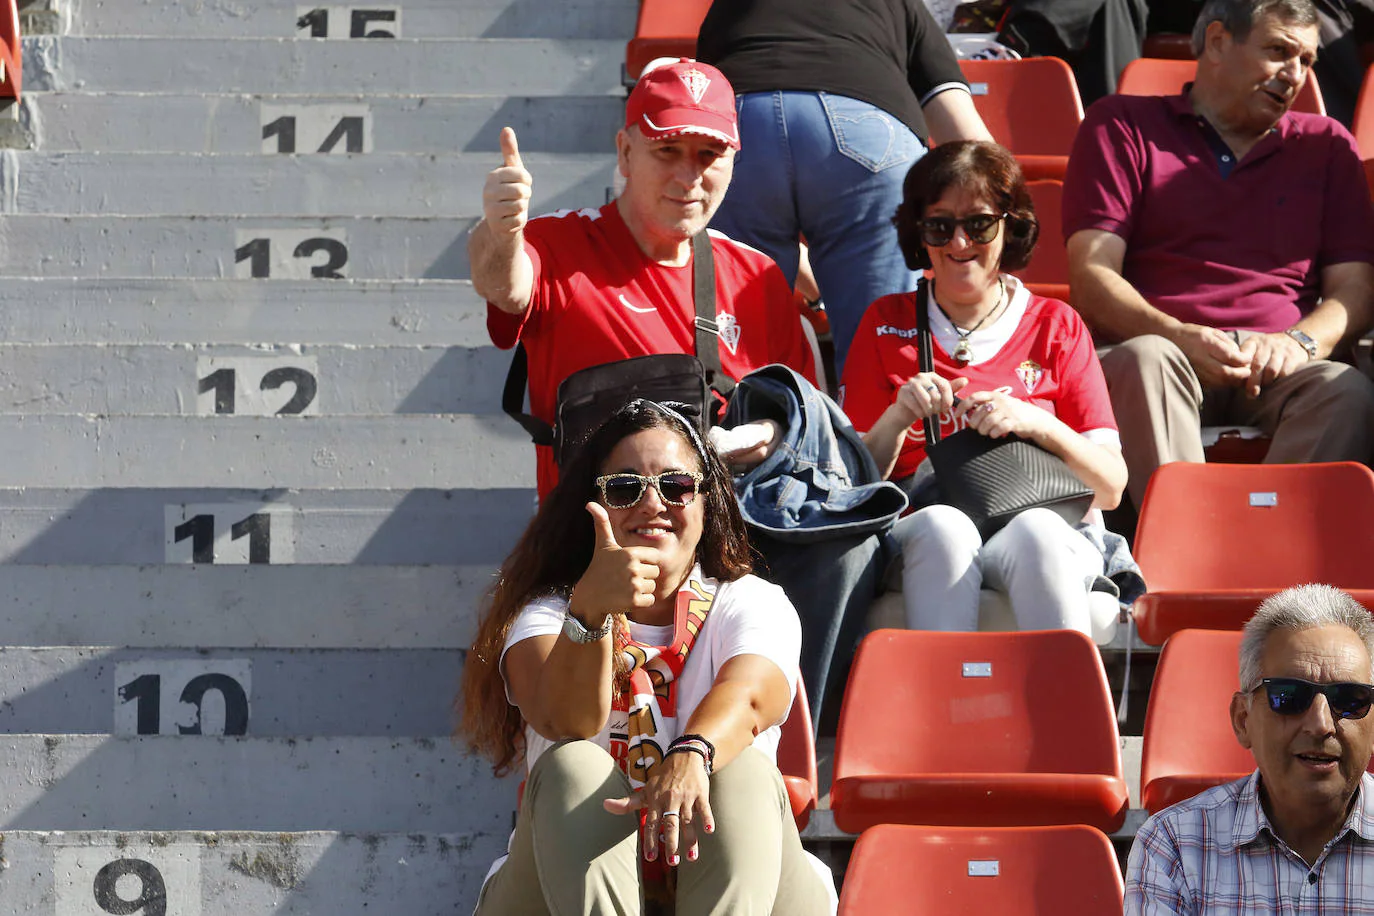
{"x":993,"y":480}
{"x":588,"y":397}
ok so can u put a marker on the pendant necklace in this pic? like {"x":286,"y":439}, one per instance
{"x":963,"y":352}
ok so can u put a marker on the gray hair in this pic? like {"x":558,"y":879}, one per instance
{"x":1301,"y":608}
{"x":1238,"y":17}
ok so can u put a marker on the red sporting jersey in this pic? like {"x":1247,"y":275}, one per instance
{"x":1047,"y":358}
{"x":598,"y":298}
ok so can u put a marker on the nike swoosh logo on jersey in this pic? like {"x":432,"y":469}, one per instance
{"x":634,"y":308}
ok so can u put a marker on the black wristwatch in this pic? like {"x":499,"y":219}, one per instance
{"x":577,"y":631}
{"x":1304,"y":341}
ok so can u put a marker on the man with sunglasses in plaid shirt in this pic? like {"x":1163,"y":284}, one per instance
{"x":1297,"y":835}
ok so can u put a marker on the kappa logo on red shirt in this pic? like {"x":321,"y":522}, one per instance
{"x":729,"y":331}
{"x":1031,"y":374}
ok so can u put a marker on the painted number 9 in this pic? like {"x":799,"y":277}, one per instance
{"x":152,"y":890}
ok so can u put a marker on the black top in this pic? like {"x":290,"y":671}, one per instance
{"x":889,"y":53}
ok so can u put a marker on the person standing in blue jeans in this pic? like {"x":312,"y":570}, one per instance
{"x":834,"y":103}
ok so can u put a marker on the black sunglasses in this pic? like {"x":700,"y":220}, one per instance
{"x":1291,"y":696}
{"x":621,"y":491}
{"x":981,"y":228}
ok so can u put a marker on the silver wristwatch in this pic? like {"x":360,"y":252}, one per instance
{"x":1304,"y":341}
{"x":575,"y":630}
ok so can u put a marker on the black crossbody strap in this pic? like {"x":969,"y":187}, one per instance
{"x":925,"y":352}
{"x":704,"y":298}
{"x":513,"y":398}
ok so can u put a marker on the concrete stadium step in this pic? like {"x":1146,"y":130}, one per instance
{"x":114,"y":123}
{"x":362,"y":527}
{"x":372,"y":453}
{"x":272,"y":247}
{"x":335,"y":312}
{"x":259,"y":380}
{"x":245,"y":606}
{"x":259,"y":692}
{"x":83,"y":782}
{"x":165,"y":184}
{"x":200,"y":873}
{"x":482,"y":66}
{"x":414,"y":19}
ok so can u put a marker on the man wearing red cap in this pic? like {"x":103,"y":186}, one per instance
{"x":582,"y":288}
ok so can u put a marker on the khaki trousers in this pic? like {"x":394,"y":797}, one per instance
{"x":1322,"y":412}
{"x":569,"y":857}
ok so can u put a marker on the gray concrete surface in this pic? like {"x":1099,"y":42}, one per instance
{"x":286,"y":65}
{"x":85,"y":782}
{"x":114,"y":122}
{"x":163,"y":184}
{"x":243,"y":606}
{"x":196,"y":380}
{"x":419,"y":18}
{"x":195,"y":246}
{"x":286,"y":692}
{"x":415,"y":873}
{"x":363,"y":453}
{"x":76,"y":311}
{"x":362,"y":527}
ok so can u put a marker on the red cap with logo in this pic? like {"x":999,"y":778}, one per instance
{"x":683,"y":97}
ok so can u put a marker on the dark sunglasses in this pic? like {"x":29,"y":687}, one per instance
{"x":1291,"y":696}
{"x":981,"y":228}
{"x":621,"y":491}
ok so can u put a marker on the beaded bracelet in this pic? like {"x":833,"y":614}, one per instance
{"x":697,"y":745}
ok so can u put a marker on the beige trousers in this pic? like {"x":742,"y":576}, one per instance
{"x":1322,"y":412}
{"x":570,"y":858}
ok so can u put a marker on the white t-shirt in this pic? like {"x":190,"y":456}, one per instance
{"x":749,"y":617}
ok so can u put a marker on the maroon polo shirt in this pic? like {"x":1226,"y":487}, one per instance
{"x":1243,"y":250}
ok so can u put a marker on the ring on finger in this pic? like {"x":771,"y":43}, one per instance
{"x":669,"y":814}
{"x":933,"y":391}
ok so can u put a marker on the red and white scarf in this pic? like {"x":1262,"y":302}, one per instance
{"x":651,"y":702}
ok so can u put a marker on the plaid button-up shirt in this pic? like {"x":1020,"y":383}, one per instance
{"x":1216,"y":854}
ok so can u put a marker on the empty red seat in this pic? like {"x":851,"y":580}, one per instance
{"x":666,"y":28}
{"x":797,"y":759}
{"x":977,"y":729}
{"x":1049,"y":264}
{"x":1189,"y":745}
{"x":973,"y":871}
{"x":11,"y":54}
{"x":1160,"y":76}
{"x":1362,"y":125}
{"x":1214,"y":540}
{"x":1031,"y":107}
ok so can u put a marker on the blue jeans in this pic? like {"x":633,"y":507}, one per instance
{"x":832,"y":584}
{"x":830,"y":168}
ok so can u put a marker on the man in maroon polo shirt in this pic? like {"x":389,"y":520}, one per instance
{"x":1221,"y":245}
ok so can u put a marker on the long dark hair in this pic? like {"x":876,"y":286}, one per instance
{"x":555,"y":551}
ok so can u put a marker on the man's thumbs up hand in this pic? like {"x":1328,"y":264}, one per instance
{"x":506,"y":195}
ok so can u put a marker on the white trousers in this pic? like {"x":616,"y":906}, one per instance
{"x":1042,"y":565}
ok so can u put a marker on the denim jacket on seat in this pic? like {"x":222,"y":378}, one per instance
{"x":820,"y":482}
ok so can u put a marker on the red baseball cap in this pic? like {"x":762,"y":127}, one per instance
{"x":683,"y":97}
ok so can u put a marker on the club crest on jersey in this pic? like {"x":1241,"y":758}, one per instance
{"x":1030,"y":375}
{"x":696,"y":83}
{"x":729,"y":331}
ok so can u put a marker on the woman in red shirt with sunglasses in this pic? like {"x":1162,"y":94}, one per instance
{"x":1006,"y":362}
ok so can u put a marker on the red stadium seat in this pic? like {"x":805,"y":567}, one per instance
{"x":1362,"y":126}
{"x":1157,"y":76}
{"x":1173,"y":45}
{"x":977,"y":729}
{"x":11,"y":55}
{"x":1031,"y":107}
{"x":797,"y":759}
{"x":973,"y":871}
{"x":1215,"y":540}
{"x":1189,"y":745}
{"x":1050,"y":262}
{"x":666,"y":28}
